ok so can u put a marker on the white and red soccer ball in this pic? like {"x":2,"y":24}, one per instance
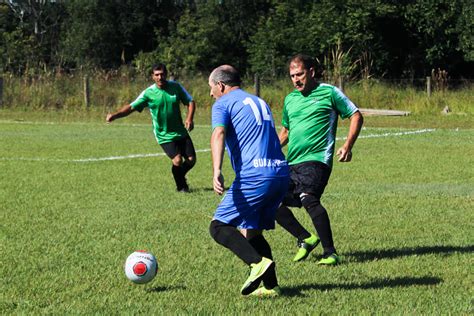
{"x":141,"y":267}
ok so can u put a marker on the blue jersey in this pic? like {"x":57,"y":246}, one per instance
{"x":251,"y":139}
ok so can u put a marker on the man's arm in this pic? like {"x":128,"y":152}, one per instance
{"x":217,"y":151}
{"x":189,"y":123}
{"x":122,"y":112}
{"x":344,"y":153}
{"x":283,"y":136}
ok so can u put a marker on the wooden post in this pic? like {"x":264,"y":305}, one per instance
{"x":1,"y":90}
{"x":341,"y":83}
{"x":86,"y":91}
{"x":257,"y":85}
{"x":428,"y":86}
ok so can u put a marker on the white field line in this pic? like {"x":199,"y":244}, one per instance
{"x":96,"y":159}
{"x":128,"y":156}
{"x":132,"y":124}
{"x":420,"y":131}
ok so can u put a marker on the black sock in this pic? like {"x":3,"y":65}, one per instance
{"x":229,"y":237}
{"x":321,"y":222}
{"x":178,"y":176}
{"x":288,"y":221}
{"x":186,"y":167}
{"x":263,"y":248}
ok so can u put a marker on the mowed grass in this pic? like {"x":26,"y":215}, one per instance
{"x":402,"y":216}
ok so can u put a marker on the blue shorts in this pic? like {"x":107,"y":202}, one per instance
{"x":252,"y":203}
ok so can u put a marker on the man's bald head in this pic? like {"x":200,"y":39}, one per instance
{"x":226,"y":74}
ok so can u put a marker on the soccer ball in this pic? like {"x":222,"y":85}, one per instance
{"x":141,"y":267}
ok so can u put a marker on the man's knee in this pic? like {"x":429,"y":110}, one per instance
{"x":250,"y":233}
{"x":177,"y":160}
{"x":191,"y":160}
{"x":312,"y":205}
{"x":215,"y":228}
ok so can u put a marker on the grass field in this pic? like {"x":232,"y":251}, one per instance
{"x":70,"y":214}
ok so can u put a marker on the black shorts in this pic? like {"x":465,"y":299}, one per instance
{"x":183,"y":146}
{"x":307,"y":177}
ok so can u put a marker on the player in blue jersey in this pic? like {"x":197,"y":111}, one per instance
{"x":244,"y":123}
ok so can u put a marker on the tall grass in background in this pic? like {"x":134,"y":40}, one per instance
{"x":109,"y":90}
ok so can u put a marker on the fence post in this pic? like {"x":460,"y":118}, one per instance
{"x":86,"y":91}
{"x":341,"y":83}
{"x":257,"y":85}
{"x":428,"y":86}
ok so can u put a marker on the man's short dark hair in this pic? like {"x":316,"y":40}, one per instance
{"x":159,"y":66}
{"x":226,"y":74}
{"x":307,"y":61}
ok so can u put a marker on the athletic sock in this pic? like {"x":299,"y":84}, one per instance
{"x":229,"y":237}
{"x":288,"y":221}
{"x":263,"y":248}
{"x":178,"y":176}
{"x":186,"y":167}
{"x":321,"y":222}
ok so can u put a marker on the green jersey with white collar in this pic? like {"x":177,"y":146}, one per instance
{"x":312,"y":122}
{"x":164,"y":106}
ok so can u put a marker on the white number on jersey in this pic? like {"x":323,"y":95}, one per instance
{"x":256,"y":112}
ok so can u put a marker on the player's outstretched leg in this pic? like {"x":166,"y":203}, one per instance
{"x":306,"y":241}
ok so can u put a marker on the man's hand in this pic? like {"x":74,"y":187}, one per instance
{"x":218,"y":182}
{"x":345,"y":154}
{"x":189,"y":124}
{"x":109,"y":118}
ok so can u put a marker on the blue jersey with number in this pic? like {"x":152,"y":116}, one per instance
{"x":251,"y":139}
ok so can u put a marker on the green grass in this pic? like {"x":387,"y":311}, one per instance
{"x":401,"y":215}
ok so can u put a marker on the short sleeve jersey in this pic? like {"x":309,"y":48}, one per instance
{"x":251,"y":139}
{"x":312,"y":122}
{"x":164,"y":110}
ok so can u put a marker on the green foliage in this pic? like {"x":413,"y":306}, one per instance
{"x":390,"y":39}
{"x":16,"y":51}
{"x":276,"y":38}
{"x":465,"y":26}
{"x":435,"y":36}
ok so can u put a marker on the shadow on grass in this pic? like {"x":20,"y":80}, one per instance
{"x":376,"y":284}
{"x":361,"y":256}
{"x":166,"y":288}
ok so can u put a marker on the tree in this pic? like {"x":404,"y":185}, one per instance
{"x":37,"y":30}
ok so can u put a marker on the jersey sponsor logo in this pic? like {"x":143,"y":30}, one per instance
{"x":264,"y":162}
{"x":173,"y":97}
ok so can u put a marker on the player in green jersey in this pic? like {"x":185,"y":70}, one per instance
{"x":163,"y":99}
{"x":309,"y":122}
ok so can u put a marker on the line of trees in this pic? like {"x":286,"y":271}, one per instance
{"x":359,"y":38}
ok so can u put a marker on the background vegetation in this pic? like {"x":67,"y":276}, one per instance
{"x":364,"y":38}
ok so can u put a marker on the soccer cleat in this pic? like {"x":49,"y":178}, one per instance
{"x":264,"y":292}
{"x":305,"y":247}
{"x":256,"y":274}
{"x":330,"y":260}
{"x":184,"y":190}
